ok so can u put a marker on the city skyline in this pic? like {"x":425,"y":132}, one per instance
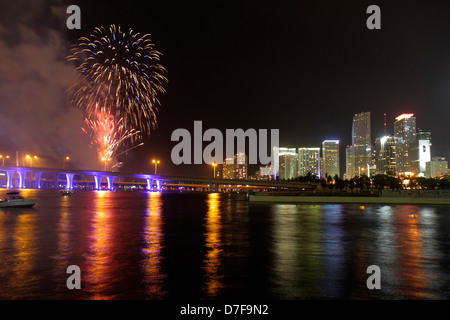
{"x":236,"y":65}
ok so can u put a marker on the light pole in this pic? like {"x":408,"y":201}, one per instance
{"x":105,"y":160}
{"x":31,"y":159}
{"x":3,"y":158}
{"x":214,"y":164}
{"x":64,"y":161}
{"x":156,"y":162}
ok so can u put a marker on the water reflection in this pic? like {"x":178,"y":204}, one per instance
{"x":101,"y":243}
{"x":153,"y":235}
{"x":25,"y":250}
{"x":297,"y":250}
{"x":213,"y":244}
{"x":63,"y":228}
{"x":410,"y":270}
{"x":333,"y":249}
{"x":156,"y":245}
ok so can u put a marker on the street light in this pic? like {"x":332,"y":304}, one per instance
{"x":156,"y":162}
{"x":105,"y":160}
{"x":31,"y":159}
{"x":214,"y":164}
{"x":3,"y":158}
{"x":64,"y":161}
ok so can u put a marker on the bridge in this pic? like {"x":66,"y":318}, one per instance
{"x":43,"y":178}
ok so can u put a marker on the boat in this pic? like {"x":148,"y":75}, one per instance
{"x":15,"y":200}
{"x":66,"y":192}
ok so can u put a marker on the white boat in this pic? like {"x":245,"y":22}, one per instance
{"x":15,"y":200}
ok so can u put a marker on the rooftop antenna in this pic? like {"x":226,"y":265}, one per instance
{"x":385,"y":124}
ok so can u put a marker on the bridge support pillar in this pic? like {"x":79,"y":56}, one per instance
{"x":214,"y":187}
{"x":98,"y":181}
{"x":37,"y":180}
{"x":21,"y":179}
{"x":56,"y":180}
{"x":149,"y":184}
{"x":110,"y":182}
{"x":9,"y":179}
{"x":69,"y":178}
{"x":159,"y":185}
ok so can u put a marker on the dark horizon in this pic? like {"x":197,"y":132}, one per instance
{"x":305,"y":69}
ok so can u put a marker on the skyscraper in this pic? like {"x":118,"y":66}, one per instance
{"x":228,"y":168}
{"x":361,"y":142}
{"x":404,"y":135}
{"x":235,"y":168}
{"x":349,"y":163}
{"x":287,"y":161}
{"x":330,"y":154}
{"x":421,"y":152}
{"x":241,"y":166}
{"x":308,"y":161}
{"x":385,"y":155}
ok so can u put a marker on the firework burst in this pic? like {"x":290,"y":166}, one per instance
{"x":119,"y":71}
{"x":107,"y":134}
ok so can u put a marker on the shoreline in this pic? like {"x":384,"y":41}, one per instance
{"x":351,"y":200}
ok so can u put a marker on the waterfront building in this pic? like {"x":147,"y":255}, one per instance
{"x":421,"y":151}
{"x":404,"y":135}
{"x":235,"y":168}
{"x":308,"y":161}
{"x":360,"y":152}
{"x":330,"y":154}
{"x":437,"y":167}
{"x":287,"y":161}
{"x":385,"y":155}
{"x":266,"y":171}
{"x":228,"y":168}
{"x":349,"y":163}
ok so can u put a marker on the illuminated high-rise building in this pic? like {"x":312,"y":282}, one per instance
{"x":437,"y":167}
{"x":308,"y":161}
{"x":330,"y":154}
{"x":287,"y":162}
{"x":421,"y":152}
{"x":228,"y":168}
{"x":349,"y":163}
{"x":361,"y":143}
{"x":404,"y":135}
{"x":385,"y":155}
{"x":241,"y":166}
{"x":235,"y":168}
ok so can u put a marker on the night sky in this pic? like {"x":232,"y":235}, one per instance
{"x":304,"y":68}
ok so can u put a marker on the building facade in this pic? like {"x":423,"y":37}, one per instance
{"x":235,"y":168}
{"x":308,"y":161}
{"x":330,"y":154}
{"x":361,"y":142}
{"x":385,"y":155}
{"x":287,"y":161}
{"x":404,"y":135}
{"x":421,"y":152}
{"x":437,"y":167}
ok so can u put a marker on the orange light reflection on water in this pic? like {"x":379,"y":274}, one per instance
{"x":153,"y":277}
{"x":101,"y":237}
{"x":26,"y":250}
{"x":411,"y":273}
{"x":212,"y":260}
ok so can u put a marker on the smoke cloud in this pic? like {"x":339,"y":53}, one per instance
{"x":35,"y":116}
